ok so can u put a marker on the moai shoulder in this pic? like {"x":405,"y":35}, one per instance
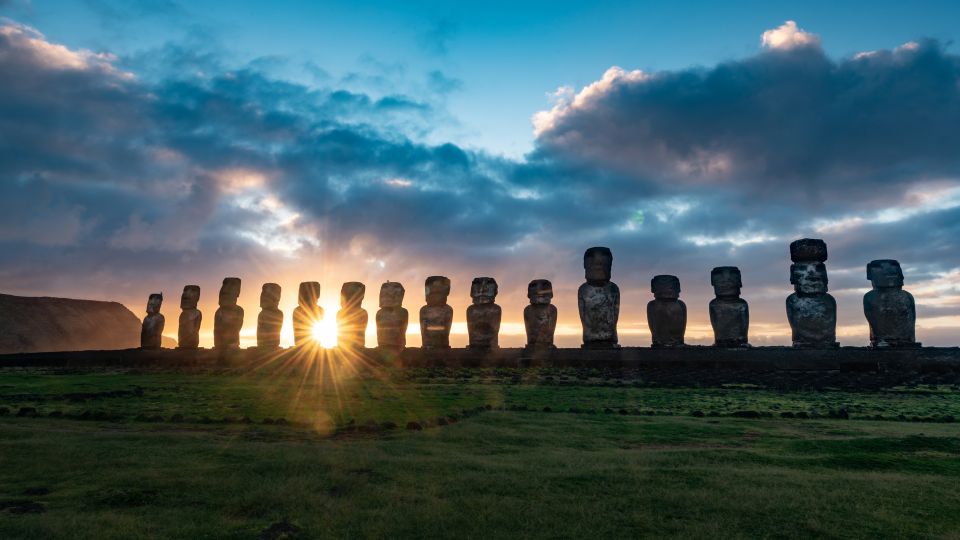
{"x":666,"y":313}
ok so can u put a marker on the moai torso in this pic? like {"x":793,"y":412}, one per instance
{"x":483,"y":316}
{"x":151,"y":332}
{"x":436,"y":317}
{"x":392,"y":318}
{"x":188,"y":332}
{"x":812,"y":312}
{"x":307,"y":313}
{"x":270,"y":320}
{"x":229,"y":317}
{"x":540,"y":317}
{"x":598,"y":300}
{"x":666,"y":313}
{"x":729,"y":314}
{"x":351,"y":319}
{"x":890,"y":310}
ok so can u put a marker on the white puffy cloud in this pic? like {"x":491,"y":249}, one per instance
{"x":788,"y":36}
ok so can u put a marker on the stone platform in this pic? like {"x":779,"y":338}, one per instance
{"x":784,"y":367}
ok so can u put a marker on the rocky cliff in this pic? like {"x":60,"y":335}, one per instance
{"x":32,"y":324}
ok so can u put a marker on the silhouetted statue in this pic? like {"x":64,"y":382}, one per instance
{"x":890,"y":310}
{"x":483,"y":316}
{"x":666,"y":313}
{"x":229,"y":317}
{"x":598,"y":300}
{"x":352,"y":319}
{"x":811,"y":311}
{"x":392,"y":318}
{"x":307,"y":314}
{"x":152,"y":329}
{"x":436,"y":317}
{"x":270,"y":320}
{"x":540,"y":317}
{"x":729,"y":314}
{"x":188,"y":333}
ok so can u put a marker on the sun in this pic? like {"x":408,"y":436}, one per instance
{"x":325,"y":332}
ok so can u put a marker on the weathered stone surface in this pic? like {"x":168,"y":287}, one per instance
{"x":540,"y":317}
{"x":436,"y":317}
{"x":483,"y":317}
{"x":808,"y":250}
{"x":811,"y":311}
{"x":270,"y":320}
{"x":307,"y":314}
{"x":729,"y":314}
{"x":152,"y":330}
{"x":229,"y":317}
{"x":351,"y":319}
{"x":889,"y":309}
{"x":188,"y":332}
{"x":598,"y":300}
{"x":666,"y":313}
{"x":392,"y":317}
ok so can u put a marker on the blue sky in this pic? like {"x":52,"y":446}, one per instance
{"x":146,"y":146}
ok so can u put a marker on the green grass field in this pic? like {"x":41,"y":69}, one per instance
{"x":502,"y":453}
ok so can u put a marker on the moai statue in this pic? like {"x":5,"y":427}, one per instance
{"x":483,"y":316}
{"x":188,"y":334}
{"x":811,"y":311}
{"x":152,"y":329}
{"x":270,"y":319}
{"x":307,"y":314}
{"x":666,"y":313}
{"x":351,"y":319}
{"x":392,"y":318}
{"x":598,"y":300}
{"x":890,"y":310}
{"x":729,"y":314}
{"x":540,"y":317}
{"x":229,"y":317}
{"x":436,"y":317}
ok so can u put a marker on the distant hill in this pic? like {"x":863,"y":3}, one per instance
{"x":34,"y":324}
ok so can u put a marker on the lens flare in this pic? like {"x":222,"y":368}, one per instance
{"x":325,"y":332}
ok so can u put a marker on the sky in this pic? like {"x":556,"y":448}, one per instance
{"x":146,"y":146}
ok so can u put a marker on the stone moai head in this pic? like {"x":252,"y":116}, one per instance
{"x":540,"y":291}
{"x":726,"y":281}
{"x":154,"y":303}
{"x":190,"y":297}
{"x":436,"y":289}
{"x":351,"y":294}
{"x":885,"y":274}
{"x":808,"y":250}
{"x":229,"y":291}
{"x":809,"y":277}
{"x":270,"y":296}
{"x":597,"y":264}
{"x":483,"y":290}
{"x":665,"y":287}
{"x":391,"y":295}
{"x":309,"y":294}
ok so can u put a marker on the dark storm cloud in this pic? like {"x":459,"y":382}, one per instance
{"x":170,"y":165}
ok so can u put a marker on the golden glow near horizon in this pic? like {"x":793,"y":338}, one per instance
{"x":325,"y":332}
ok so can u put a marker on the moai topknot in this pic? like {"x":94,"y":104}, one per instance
{"x":598,"y":300}
{"x":666,"y":313}
{"x":392,"y":318}
{"x":270,"y":319}
{"x":540,"y":317}
{"x":729,"y":314}
{"x":188,"y":333}
{"x":229,"y":317}
{"x":307,"y":314}
{"x":351,"y":319}
{"x":483,"y":316}
{"x":811,"y":311}
{"x":152,"y":329}
{"x":890,"y":310}
{"x":436,"y":317}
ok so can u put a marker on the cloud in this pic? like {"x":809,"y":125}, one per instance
{"x":788,"y":36}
